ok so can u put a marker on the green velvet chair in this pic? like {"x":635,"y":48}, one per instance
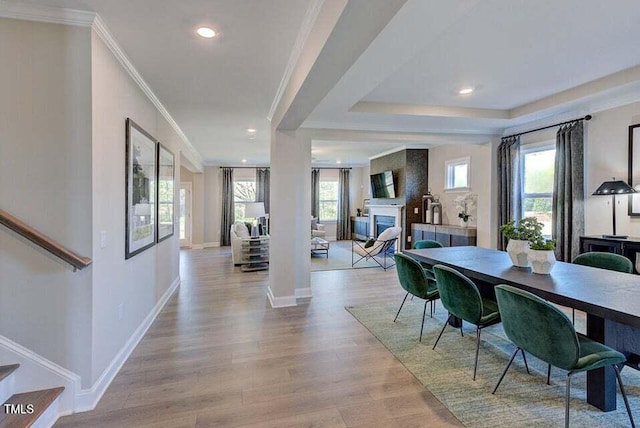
{"x":608,"y":261}
{"x":427,"y":243}
{"x":416,"y":282}
{"x":539,"y":328}
{"x":460,"y":296}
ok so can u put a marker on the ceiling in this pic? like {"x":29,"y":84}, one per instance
{"x":526,"y":60}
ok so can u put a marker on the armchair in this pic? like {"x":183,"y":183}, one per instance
{"x":238,"y":232}
{"x":317,"y":229}
{"x":379,"y":248}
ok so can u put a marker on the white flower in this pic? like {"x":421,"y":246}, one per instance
{"x":465,"y":203}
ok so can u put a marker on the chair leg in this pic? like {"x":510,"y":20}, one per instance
{"x":424,"y":312}
{"x":549,"y":375}
{"x":441,"y":331}
{"x":526,"y":366}
{"x":475,"y":366}
{"x":431,"y":310}
{"x":567,"y":399}
{"x":404,"y":300}
{"x":624,"y":395}
{"x":504,"y":372}
{"x":461,"y":333}
{"x":573,"y":316}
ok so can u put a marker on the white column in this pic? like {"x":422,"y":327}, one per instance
{"x":290,"y":218}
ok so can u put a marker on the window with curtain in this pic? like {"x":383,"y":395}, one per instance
{"x":328,"y":199}
{"x":244,"y":190}
{"x":537,"y":190}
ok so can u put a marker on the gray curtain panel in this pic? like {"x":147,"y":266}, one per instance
{"x":228,"y":214}
{"x":263,"y":183}
{"x":315,"y":192}
{"x":509,"y":184}
{"x":343,"y":227}
{"x":568,"y":191}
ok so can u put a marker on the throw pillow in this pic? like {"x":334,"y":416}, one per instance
{"x":314,"y":223}
{"x":369,"y":243}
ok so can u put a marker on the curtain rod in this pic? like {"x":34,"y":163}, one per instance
{"x":266,"y":167}
{"x":587,"y":117}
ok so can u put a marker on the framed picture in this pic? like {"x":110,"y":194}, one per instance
{"x":634,"y":169}
{"x":166,"y":195}
{"x":140,"y":209}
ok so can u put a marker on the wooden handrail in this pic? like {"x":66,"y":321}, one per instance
{"x":26,"y":231}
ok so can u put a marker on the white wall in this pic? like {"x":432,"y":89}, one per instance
{"x":135,"y":285}
{"x":481,"y":180}
{"x":46,"y":181}
{"x":198,"y":213}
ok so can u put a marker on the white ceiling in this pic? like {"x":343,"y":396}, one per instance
{"x":520,"y":55}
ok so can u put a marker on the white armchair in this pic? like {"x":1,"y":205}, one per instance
{"x":317,"y":229}
{"x":238,"y":232}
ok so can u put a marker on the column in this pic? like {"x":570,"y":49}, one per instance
{"x":290,"y":218}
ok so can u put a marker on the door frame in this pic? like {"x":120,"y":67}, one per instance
{"x":187,"y":242}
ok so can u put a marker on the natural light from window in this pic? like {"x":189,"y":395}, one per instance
{"x":243,"y":191}
{"x":328,"y":200}
{"x":537,"y":196}
{"x":457,"y":174}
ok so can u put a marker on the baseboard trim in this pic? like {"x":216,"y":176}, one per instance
{"x":197,"y":246}
{"x":211,"y":244}
{"x":88,"y":399}
{"x":303,"y":293}
{"x":280,"y":302}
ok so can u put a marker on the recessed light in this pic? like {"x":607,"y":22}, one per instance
{"x":465,"y":91}
{"x":338,"y":161}
{"x":244,"y":161}
{"x":206,"y":32}
{"x":251,"y":130}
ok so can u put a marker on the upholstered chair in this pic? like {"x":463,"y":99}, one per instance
{"x":426,"y":243}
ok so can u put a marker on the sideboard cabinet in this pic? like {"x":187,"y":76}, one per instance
{"x":446,"y":234}
{"x":628,"y":247}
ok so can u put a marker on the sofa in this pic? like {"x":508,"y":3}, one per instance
{"x":317,"y":229}
{"x":239,"y":232}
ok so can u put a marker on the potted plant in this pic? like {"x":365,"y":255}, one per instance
{"x":542,"y":255}
{"x":520,"y":235}
{"x":465,"y":204}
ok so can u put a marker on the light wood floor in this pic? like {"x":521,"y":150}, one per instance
{"x":219,"y":356}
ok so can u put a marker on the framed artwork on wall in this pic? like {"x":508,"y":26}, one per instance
{"x":634,"y":169}
{"x":140,"y":176}
{"x":166,"y":195}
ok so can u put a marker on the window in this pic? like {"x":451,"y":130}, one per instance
{"x":243,"y":191}
{"x":328,"y":200}
{"x":537,"y":194}
{"x":457,"y":174}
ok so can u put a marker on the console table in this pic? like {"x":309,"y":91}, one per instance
{"x":255,"y":253}
{"x":446,"y":234}
{"x":628,"y":247}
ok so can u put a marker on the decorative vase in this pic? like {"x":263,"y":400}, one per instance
{"x":463,"y":223}
{"x":518,"y":251}
{"x":542,"y":261}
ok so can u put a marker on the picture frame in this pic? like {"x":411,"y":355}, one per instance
{"x":166,"y":193}
{"x":634,"y":169}
{"x":140,"y":192}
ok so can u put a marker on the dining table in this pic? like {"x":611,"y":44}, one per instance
{"x":610,"y":299}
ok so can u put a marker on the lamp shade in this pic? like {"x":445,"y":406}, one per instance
{"x":616,"y":187}
{"x":254,"y":210}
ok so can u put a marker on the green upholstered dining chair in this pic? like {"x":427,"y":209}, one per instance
{"x":609,"y":261}
{"x":539,"y":328}
{"x":460,"y":296}
{"x":416,"y":282}
{"x":426,"y":243}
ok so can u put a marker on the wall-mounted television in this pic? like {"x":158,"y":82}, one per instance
{"x":382,"y":185}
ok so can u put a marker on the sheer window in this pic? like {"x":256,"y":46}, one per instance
{"x":537,"y":172}
{"x":243,"y":191}
{"x":328,"y":200}
{"x":457,"y":174}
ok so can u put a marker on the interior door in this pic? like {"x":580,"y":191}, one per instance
{"x":185,"y":215}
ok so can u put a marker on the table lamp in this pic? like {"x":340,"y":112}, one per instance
{"x":613,"y":188}
{"x":254,"y":210}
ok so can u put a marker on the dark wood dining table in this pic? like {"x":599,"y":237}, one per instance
{"x":610,"y":299}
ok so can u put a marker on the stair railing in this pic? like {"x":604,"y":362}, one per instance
{"x":58,"y":250}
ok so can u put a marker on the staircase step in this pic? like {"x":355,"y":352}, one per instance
{"x":7,"y":370}
{"x":40,"y":400}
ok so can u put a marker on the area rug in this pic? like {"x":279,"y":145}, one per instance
{"x":521,"y":400}
{"x":340,"y":258}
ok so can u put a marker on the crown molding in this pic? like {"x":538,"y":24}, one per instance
{"x":49,"y":14}
{"x":56,"y":15}
{"x":305,"y":29}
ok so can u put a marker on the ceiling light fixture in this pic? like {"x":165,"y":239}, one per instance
{"x":251,"y":131}
{"x":206,"y":32}
{"x":465,"y":91}
{"x":244,"y":161}
{"x":338,"y":161}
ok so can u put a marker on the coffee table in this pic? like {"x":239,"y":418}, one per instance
{"x":319,"y":245}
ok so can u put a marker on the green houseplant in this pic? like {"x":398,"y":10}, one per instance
{"x":542,"y":255}
{"x":520,"y":234}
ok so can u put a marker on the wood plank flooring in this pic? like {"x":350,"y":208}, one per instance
{"x":219,"y":356}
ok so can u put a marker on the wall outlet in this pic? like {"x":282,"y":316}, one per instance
{"x":120,"y":311}
{"x":409,"y":238}
{"x":103,"y":238}
{"x":416,"y":210}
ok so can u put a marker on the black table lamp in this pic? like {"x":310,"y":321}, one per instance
{"x":613,"y":188}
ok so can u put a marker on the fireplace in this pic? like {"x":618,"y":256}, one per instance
{"x":383,"y":222}
{"x":382,"y":217}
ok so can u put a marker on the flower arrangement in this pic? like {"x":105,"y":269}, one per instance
{"x":465,"y":204}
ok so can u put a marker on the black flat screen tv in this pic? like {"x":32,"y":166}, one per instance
{"x":382,"y":185}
